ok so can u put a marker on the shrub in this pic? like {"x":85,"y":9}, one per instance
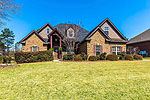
{"x":78,"y":58}
{"x":51,"y":49}
{"x":103,"y":56}
{"x":28,"y":57}
{"x":112,"y":57}
{"x":98,"y":57}
{"x":68,"y":57}
{"x":6,"y":59}
{"x":60,"y":49}
{"x":122,"y":56}
{"x":129,"y":57}
{"x":92,"y":58}
{"x":1,"y":59}
{"x":84,"y":56}
{"x":137,"y":57}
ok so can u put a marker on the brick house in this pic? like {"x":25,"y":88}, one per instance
{"x":140,"y":44}
{"x":103,"y":38}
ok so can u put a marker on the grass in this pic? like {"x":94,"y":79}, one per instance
{"x":123,"y":80}
{"x":146,"y":58}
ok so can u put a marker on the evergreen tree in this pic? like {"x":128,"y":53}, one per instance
{"x":7,"y":37}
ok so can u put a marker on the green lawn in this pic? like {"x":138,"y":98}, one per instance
{"x":146,"y":58}
{"x":122,"y":80}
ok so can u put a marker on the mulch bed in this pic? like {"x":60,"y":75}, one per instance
{"x":9,"y":66}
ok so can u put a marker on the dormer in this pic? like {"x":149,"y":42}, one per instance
{"x":70,"y":33}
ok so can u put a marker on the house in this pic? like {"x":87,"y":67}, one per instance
{"x":140,"y":44}
{"x":63,"y":37}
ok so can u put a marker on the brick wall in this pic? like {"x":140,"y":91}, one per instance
{"x":34,"y":40}
{"x":98,"y":39}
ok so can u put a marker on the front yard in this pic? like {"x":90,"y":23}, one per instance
{"x":76,"y":81}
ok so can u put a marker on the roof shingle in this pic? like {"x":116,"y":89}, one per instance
{"x":145,"y":36}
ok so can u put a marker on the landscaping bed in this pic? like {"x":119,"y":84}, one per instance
{"x":5,"y":66}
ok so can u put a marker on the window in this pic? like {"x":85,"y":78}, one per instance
{"x":106,"y":30}
{"x":116,"y":50}
{"x":70,"y":33}
{"x":98,"y":50}
{"x":34,"y":48}
{"x":47,"y":30}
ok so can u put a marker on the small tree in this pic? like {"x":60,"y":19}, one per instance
{"x":7,"y":37}
{"x":17,"y":47}
{"x":70,"y":44}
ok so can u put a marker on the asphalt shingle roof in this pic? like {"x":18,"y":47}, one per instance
{"x":79,"y":31}
{"x":145,"y":36}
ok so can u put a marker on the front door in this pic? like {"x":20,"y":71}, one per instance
{"x":56,"y":52}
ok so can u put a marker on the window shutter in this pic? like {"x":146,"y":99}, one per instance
{"x":101,"y":49}
{"x":110,"y":49}
{"x":94,"y":50}
{"x":30,"y":48}
{"x":121,"y":49}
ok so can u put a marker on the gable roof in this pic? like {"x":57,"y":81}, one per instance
{"x":55,"y":30}
{"x":30,"y":34}
{"x":99,"y":28}
{"x":93,"y":32}
{"x":144,"y":36}
{"x":47,"y":24}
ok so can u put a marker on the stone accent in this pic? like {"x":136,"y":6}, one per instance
{"x":33,"y":40}
{"x":98,"y":39}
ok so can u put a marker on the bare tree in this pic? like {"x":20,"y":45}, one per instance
{"x":7,"y":8}
{"x":70,"y":43}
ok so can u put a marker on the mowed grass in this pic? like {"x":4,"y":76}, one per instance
{"x":122,"y":80}
{"x":146,"y":58}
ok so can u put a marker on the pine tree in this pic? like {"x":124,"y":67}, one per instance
{"x":7,"y":37}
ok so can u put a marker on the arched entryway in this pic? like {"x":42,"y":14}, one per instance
{"x":56,"y":44}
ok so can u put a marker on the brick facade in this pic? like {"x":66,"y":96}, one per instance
{"x":86,"y":41}
{"x":34,"y":40}
{"x":98,"y":39}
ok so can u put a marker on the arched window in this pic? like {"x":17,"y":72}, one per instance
{"x":70,"y":33}
{"x":48,"y":30}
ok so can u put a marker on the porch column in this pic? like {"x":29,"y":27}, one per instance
{"x":51,"y":42}
{"x":60,"y":42}
{"x":60,"y":47}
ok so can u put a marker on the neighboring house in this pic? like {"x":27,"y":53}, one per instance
{"x":140,"y":44}
{"x":103,"y":38}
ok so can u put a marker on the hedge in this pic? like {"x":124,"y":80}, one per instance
{"x":28,"y":57}
{"x":137,"y":57}
{"x":92,"y":58}
{"x":112,"y":57}
{"x":122,"y":56}
{"x":129,"y":57}
{"x":78,"y":58}
{"x":68,"y":57}
{"x":5,"y":59}
{"x":84,"y":56}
